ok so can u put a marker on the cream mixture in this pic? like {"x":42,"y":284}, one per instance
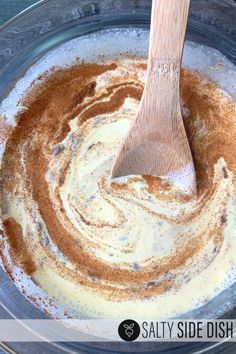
{"x":111,"y":248}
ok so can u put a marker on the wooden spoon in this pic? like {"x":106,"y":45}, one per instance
{"x":156,"y":144}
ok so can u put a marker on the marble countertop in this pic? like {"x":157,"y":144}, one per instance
{"x":10,"y":8}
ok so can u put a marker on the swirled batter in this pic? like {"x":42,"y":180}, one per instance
{"x":134,"y":245}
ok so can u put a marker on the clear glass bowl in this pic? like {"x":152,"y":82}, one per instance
{"x":26,"y":38}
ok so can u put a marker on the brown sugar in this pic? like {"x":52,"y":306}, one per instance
{"x":50,"y":109}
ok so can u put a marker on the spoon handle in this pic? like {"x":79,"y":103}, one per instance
{"x":160,"y":101}
{"x":168,"y":28}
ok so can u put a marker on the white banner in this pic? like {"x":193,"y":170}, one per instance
{"x":117,"y":331}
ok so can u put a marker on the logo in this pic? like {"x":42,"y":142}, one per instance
{"x":129,"y":330}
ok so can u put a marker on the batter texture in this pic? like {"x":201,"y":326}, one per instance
{"x":135,"y":245}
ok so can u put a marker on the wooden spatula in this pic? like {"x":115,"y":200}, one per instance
{"x":157,"y":144}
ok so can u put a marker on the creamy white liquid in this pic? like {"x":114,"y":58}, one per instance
{"x":134,"y":234}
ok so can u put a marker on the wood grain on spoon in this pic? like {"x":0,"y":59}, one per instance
{"x":157,"y":144}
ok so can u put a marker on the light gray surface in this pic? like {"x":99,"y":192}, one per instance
{"x":9,"y":8}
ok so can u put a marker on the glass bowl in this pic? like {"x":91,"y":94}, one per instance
{"x":49,"y":23}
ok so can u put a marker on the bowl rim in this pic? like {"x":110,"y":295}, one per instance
{"x":22,"y":13}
